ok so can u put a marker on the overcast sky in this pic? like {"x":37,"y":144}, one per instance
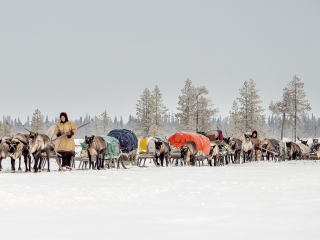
{"x":90,"y":56}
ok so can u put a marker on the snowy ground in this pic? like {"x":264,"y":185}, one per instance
{"x":262,"y":200}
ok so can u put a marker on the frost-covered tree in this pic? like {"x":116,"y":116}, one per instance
{"x":235,"y":125}
{"x":101,"y":125}
{"x":186,"y":108}
{"x":143,"y":118}
{"x":5,"y":130}
{"x":204,"y":114}
{"x":195,"y":110}
{"x":298,"y":102}
{"x":251,"y":113}
{"x":37,"y":123}
{"x":282,"y":108}
{"x":158,"y":114}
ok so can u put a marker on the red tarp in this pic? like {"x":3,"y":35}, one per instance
{"x":202,"y":142}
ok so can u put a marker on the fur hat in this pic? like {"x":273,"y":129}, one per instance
{"x":65,"y":115}
{"x":254,"y":132}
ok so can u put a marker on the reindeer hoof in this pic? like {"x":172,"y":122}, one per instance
{"x":19,"y":169}
{"x":13,"y":171}
{"x":48,"y":170}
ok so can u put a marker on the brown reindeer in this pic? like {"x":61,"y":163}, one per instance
{"x":39,"y":147}
{"x":96,"y":147}
{"x":268,"y":148}
{"x":20,"y":147}
{"x":188,"y":152}
{"x":162,"y":152}
{"x":235,"y":145}
{"x":4,"y":148}
{"x":293,"y":150}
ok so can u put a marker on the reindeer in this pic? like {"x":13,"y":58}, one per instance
{"x":96,"y":146}
{"x":214,"y":154}
{"x":247,"y":147}
{"x":268,"y":148}
{"x":294,"y":151}
{"x":4,"y":149}
{"x":188,"y":151}
{"x":162,"y":152}
{"x":19,"y":146}
{"x":39,"y":147}
{"x":236,"y":145}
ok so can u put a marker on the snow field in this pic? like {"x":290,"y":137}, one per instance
{"x":262,"y":200}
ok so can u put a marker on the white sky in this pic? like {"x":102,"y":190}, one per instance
{"x":90,"y":56}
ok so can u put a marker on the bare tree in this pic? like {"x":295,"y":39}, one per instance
{"x":282,"y":108}
{"x":298,"y":102}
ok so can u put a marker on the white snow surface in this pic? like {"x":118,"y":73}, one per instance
{"x":262,"y":200}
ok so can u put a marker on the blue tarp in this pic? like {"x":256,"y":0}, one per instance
{"x":127,"y":139}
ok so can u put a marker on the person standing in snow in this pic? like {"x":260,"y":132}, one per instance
{"x":257,"y":145}
{"x":65,"y":145}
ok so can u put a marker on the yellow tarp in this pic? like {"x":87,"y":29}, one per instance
{"x":143,"y":145}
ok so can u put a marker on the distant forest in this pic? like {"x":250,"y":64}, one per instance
{"x":308,"y":129}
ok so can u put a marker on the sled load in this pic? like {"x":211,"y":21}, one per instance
{"x":153,"y":148}
{"x":128,"y":144}
{"x":146,"y":150}
{"x":112,"y":152}
{"x":193,"y":147}
{"x":202,"y":142}
{"x":127,"y":139}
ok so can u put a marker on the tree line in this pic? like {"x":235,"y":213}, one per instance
{"x":195,"y":112}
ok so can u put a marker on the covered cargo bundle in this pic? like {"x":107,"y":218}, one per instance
{"x":127,"y":139}
{"x":214,"y":135}
{"x":112,"y":146}
{"x":142,"y":145}
{"x":202,"y":142}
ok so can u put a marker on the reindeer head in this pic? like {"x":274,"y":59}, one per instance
{"x":89,"y":141}
{"x":35,"y":142}
{"x":227,"y":140}
{"x":16,"y":148}
{"x":315,"y":141}
{"x":158,"y":145}
{"x":247,"y":137}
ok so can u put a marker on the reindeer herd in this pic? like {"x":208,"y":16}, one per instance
{"x":38,"y":147}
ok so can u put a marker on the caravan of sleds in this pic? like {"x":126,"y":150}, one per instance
{"x":122,"y":148}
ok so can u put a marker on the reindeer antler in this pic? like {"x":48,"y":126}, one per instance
{"x":24,"y":127}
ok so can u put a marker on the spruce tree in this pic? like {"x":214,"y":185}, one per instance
{"x":37,"y":123}
{"x":251,"y":113}
{"x":158,"y":114}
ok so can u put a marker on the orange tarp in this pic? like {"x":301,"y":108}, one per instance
{"x":202,"y":142}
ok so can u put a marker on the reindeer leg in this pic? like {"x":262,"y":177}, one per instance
{"x":0,"y":163}
{"x":13,"y":162}
{"x":35,"y":163}
{"x":40,"y":163}
{"x":19,"y":163}
{"x":90,"y":162}
{"x":25,"y":156}
{"x":48,"y":157}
